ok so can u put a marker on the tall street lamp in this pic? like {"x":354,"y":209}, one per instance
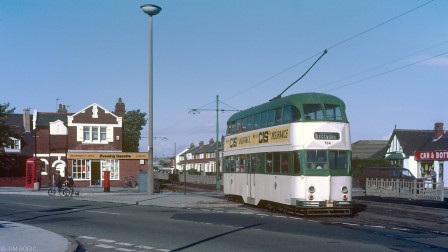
{"x":151,"y":10}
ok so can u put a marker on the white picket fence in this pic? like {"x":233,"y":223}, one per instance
{"x":405,"y":189}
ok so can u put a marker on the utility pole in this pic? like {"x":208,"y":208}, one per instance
{"x":195,"y":111}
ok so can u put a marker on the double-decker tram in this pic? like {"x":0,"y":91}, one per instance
{"x":292,"y":153}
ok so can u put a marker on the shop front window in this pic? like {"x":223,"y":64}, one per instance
{"x":81,"y":169}
{"x":113,"y":166}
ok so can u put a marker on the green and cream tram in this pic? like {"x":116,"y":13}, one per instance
{"x":291,"y":153}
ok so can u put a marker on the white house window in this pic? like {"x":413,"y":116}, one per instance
{"x":103,"y":134}
{"x":94,"y":134}
{"x":86,"y":133}
{"x":13,"y":145}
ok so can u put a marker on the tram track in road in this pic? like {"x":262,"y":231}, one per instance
{"x":369,"y":222}
{"x":393,"y":214}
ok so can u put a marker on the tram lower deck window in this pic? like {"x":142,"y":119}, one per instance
{"x":323,"y":159}
{"x":317,"y":159}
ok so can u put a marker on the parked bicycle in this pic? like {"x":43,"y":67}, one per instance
{"x":130,"y":182}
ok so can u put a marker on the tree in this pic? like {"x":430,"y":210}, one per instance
{"x":7,"y":131}
{"x":133,"y":123}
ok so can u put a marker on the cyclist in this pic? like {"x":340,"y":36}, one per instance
{"x":59,"y":181}
{"x":70,"y":183}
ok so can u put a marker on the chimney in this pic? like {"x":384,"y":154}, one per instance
{"x":201,"y":143}
{"x":26,"y":120}
{"x":62,"y":109}
{"x":119,"y":108}
{"x":191,"y":145}
{"x":438,"y":130}
{"x":211,"y":142}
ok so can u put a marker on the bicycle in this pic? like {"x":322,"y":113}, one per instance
{"x":71,"y":191}
{"x":129,"y":182}
{"x":60,"y":190}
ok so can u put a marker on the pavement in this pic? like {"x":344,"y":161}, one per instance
{"x":12,"y":234}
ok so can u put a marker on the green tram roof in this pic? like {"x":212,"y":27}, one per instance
{"x":296,"y":100}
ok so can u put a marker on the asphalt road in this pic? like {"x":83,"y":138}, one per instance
{"x":100,"y":226}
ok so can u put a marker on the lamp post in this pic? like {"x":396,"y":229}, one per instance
{"x":151,"y":10}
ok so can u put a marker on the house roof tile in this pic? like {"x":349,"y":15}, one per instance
{"x":369,"y":149}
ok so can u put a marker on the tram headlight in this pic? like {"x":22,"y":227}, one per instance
{"x":344,"y":189}
{"x":311,"y":189}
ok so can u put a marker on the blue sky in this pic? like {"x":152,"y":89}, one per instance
{"x":386,"y":59}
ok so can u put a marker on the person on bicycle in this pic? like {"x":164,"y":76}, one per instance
{"x":59,"y":181}
{"x":70,"y":182}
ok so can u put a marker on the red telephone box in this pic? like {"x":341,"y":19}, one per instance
{"x":33,"y":169}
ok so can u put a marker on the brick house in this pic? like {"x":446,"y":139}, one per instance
{"x":201,"y":158}
{"x":85,"y":144}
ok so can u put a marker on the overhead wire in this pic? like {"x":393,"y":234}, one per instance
{"x":379,"y":66}
{"x":390,"y":71}
{"x":381,"y":24}
{"x":313,"y":56}
{"x":332,"y":47}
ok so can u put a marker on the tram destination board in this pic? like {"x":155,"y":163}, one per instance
{"x":326,"y":136}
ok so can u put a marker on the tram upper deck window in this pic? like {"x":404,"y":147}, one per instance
{"x":313,"y":112}
{"x":278,"y":116}
{"x":264,"y":119}
{"x":257,"y":118}
{"x":239,"y":126}
{"x":243,"y":124}
{"x":290,"y":114}
{"x":250,"y":123}
{"x":271,"y":118}
{"x":333,"y":112}
{"x":233,"y":127}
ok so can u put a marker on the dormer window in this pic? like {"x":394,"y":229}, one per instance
{"x":13,"y":145}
